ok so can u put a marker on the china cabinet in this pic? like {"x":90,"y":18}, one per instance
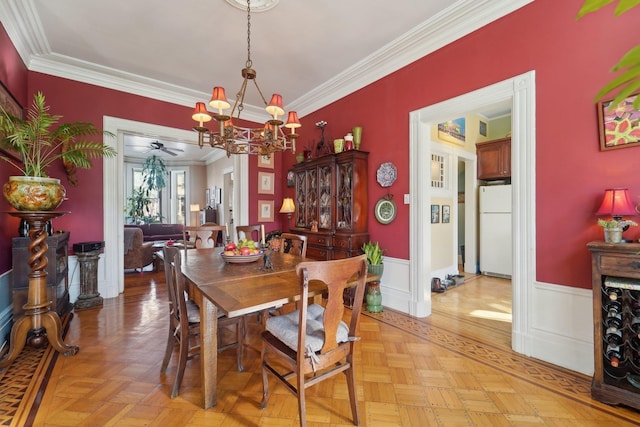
{"x":494,"y":159}
{"x":331,"y":195}
{"x":616,"y":323}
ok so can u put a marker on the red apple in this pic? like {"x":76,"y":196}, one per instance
{"x":245,"y":251}
{"x":230,"y":246}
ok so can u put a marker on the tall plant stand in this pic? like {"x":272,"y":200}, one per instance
{"x":39,"y":319}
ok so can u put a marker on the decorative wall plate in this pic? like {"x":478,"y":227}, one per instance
{"x":387,"y":174}
{"x":385,"y":210}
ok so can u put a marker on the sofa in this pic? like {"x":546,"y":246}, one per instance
{"x":137,"y":252}
{"x":156,"y":232}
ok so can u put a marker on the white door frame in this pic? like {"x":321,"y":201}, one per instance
{"x":521,"y":91}
{"x":113,"y":194}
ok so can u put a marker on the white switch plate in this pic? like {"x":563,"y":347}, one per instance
{"x":406,"y":199}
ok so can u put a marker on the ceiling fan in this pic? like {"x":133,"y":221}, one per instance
{"x":157,"y":145}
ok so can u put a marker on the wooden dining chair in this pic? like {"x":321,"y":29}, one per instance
{"x":251,"y":232}
{"x":313,"y":343}
{"x":204,"y":236}
{"x":184,"y":322}
{"x":295,"y":244}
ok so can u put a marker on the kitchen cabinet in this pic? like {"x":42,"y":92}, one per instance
{"x":615,"y":270}
{"x":332,"y":195}
{"x":494,"y":159}
{"x":57,"y":273}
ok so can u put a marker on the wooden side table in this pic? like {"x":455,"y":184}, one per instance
{"x":38,"y":317}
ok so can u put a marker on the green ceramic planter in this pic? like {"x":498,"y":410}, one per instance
{"x":28,"y":193}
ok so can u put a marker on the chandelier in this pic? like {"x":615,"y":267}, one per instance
{"x":231,"y":137}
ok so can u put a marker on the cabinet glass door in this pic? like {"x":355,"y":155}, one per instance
{"x":345,"y":195}
{"x":325,"y":197}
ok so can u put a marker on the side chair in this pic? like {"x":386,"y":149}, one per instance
{"x":293,"y":244}
{"x":313,"y":343}
{"x":184,"y":322}
{"x":251,"y":232}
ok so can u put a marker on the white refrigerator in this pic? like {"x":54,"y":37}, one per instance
{"x":496,"y":255}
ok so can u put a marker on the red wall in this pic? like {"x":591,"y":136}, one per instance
{"x":571,"y":59}
{"x":13,"y":74}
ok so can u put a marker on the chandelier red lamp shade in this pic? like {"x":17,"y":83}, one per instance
{"x":233,"y":138}
{"x":616,"y":203}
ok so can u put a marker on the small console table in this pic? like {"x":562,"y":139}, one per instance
{"x":38,"y":317}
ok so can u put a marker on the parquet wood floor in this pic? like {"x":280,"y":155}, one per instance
{"x":445,"y":370}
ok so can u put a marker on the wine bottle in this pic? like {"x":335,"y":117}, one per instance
{"x":613,"y":336}
{"x":614,"y":355}
{"x":614,"y":294}
{"x":635,"y":327}
{"x":613,"y":308}
{"x":613,"y":321}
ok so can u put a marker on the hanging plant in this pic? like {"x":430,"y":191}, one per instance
{"x":154,"y":172}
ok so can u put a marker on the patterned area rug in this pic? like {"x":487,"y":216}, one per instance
{"x":22,"y":384}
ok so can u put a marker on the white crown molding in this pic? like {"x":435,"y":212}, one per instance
{"x":460,"y":19}
{"x":463,"y":17}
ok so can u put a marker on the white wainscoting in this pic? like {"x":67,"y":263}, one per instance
{"x":560,"y":328}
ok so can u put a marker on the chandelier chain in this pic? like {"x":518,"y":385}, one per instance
{"x":249,"y":62}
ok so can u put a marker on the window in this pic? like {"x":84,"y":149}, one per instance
{"x":438,"y":176}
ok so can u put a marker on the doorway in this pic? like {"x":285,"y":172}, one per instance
{"x":111,"y":281}
{"x":520,"y":91}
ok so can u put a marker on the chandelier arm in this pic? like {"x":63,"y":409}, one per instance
{"x":260,"y":92}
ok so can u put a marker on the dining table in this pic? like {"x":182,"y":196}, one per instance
{"x":237,"y":289}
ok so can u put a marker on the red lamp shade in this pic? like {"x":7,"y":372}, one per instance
{"x":200,"y":113}
{"x":275,"y":107}
{"x":219,"y":99}
{"x":293,"y":121}
{"x":616,"y":203}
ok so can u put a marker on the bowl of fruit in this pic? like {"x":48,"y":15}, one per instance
{"x":242,"y":252}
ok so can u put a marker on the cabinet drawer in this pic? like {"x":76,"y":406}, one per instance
{"x":617,"y":265}
{"x":319,"y":254}
{"x":318,"y":240}
{"x":342,"y":242}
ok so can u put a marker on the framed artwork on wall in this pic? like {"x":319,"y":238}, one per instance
{"x":265,"y":182}
{"x":619,"y":127}
{"x":265,"y":210}
{"x":435,"y":214}
{"x":291,"y":178}
{"x":265,"y":162}
{"x":453,"y":131}
{"x":13,"y":107}
{"x":446,"y":214}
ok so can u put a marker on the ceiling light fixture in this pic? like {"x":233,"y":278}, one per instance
{"x":235,"y":139}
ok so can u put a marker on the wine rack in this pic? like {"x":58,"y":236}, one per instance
{"x":616,"y":317}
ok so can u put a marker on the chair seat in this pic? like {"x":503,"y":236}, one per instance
{"x":285,"y":328}
{"x":193,"y":313}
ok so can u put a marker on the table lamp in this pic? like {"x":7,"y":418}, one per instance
{"x":195,"y":208}
{"x":616,"y":202}
{"x":288,"y":207}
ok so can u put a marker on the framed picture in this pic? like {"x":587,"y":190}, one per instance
{"x":620,"y":127}
{"x":482,"y":128}
{"x":265,"y":210}
{"x":13,"y":107}
{"x":265,"y":162}
{"x":435,"y":214}
{"x":265,"y":182}
{"x":291,"y":178}
{"x":453,"y":131}
{"x":446,"y":214}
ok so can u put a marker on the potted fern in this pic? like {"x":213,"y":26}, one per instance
{"x":39,"y":144}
